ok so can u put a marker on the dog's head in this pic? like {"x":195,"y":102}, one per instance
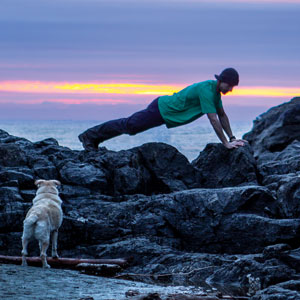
{"x":47,"y":186}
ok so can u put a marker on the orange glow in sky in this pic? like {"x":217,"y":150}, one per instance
{"x":132,"y":89}
{"x":86,"y":88}
{"x":265,"y":91}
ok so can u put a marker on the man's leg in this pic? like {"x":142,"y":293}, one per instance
{"x":91,"y":138}
{"x":138,"y":122}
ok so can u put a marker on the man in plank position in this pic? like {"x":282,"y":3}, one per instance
{"x":181,"y":108}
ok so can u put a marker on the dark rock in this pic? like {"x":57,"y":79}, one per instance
{"x":171,"y":170}
{"x":99,"y":269}
{"x":11,"y":155}
{"x":292,"y":258}
{"x":208,"y":217}
{"x":128,"y":180}
{"x":27,"y":195}
{"x":274,"y":130}
{"x":9,"y":196}
{"x":275,"y":251}
{"x":149,"y":203}
{"x":252,"y":229}
{"x":279,"y":163}
{"x":126,"y":173}
{"x":11,"y":238}
{"x":293,"y":285}
{"x":276,"y":293}
{"x":84,"y":175}
{"x":42,"y":167}
{"x":152,"y":168}
{"x":3,"y":135}
{"x":12,"y":210}
{"x":143,"y":250}
{"x":269,"y":272}
{"x":288,"y":195}
{"x":150,"y":296}
{"x":220,"y":167}
{"x":69,"y":192}
{"x":10,"y":183}
{"x":46,"y":142}
{"x":23,"y":179}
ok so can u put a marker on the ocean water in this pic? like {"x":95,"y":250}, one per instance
{"x":189,"y":139}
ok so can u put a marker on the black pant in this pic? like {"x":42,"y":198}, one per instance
{"x":138,"y":122}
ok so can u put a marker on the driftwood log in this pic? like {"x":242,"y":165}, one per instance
{"x":61,"y":263}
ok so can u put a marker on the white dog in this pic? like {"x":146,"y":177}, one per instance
{"x":43,"y":219}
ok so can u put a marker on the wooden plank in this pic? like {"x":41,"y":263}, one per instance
{"x":69,"y":263}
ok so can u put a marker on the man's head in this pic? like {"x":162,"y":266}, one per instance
{"x":227,"y":80}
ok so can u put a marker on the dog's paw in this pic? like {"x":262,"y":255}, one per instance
{"x":24,"y":262}
{"x":46,"y":266}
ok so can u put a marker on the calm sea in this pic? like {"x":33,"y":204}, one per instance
{"x":189,"y":139}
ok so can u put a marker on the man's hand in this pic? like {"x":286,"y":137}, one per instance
{"x":235,"y":144}
{"x":215,"y":122}
{"x":240,"y":140}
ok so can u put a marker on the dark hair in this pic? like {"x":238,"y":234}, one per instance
{"x":230,"y":76}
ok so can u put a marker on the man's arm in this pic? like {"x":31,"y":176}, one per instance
{"x":224,"y":121}
{"x":217,"y":126}
{"x":226,"y":125}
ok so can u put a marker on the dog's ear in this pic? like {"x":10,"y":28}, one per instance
{"x":56,"y":182}
{"x":39,"y":182}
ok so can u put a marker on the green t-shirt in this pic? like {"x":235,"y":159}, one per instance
{"x":190,"y":103}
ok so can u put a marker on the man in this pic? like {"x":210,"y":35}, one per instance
{"x":181,"y":108}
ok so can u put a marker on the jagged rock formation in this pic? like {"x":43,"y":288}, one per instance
{"x":222,"y":217}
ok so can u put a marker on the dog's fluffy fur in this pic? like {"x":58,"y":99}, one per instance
{"x":43,"y":220}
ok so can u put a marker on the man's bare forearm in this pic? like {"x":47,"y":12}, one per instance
{"x":216,"y":124}
{"x":226,"y":125}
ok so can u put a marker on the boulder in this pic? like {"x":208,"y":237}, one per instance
{"x":276,"y":293}
{"x":12,"y":210}
{"x":85,"y":175}
{"x":21,"y":177}
{"x":219,"y":167}
{"x":279,"y":163}
{"x":11,"y":155}
{"x":274,"y":130}
{"x":292,"y":258}
{"x":171,"y":171}
{"x":288,"y":195}
{"x":126,"y":174}
{"x":267,"y":272}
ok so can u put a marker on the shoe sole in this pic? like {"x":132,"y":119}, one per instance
{"x":86,"y":147}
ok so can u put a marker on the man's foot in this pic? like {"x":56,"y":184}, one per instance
{"x":87,"y":144}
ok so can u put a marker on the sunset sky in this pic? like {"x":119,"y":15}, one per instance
{"x":94,"y":59}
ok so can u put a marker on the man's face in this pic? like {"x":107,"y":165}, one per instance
{"x":225,"y":88}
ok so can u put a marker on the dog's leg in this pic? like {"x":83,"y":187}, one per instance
{"x":54,"y":243}
{"x":24,"y":251}
{"x":28,"y":228}
{"x":44,"y":246}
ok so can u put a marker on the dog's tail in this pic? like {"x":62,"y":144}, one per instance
{"x":31,"y":220}
{"x":29,"y":226}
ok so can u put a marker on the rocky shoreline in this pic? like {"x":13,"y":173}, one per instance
{"x":227,"y":218}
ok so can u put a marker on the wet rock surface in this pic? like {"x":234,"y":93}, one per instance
{"x":229,"y":218}
{"x":29,"y":283}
